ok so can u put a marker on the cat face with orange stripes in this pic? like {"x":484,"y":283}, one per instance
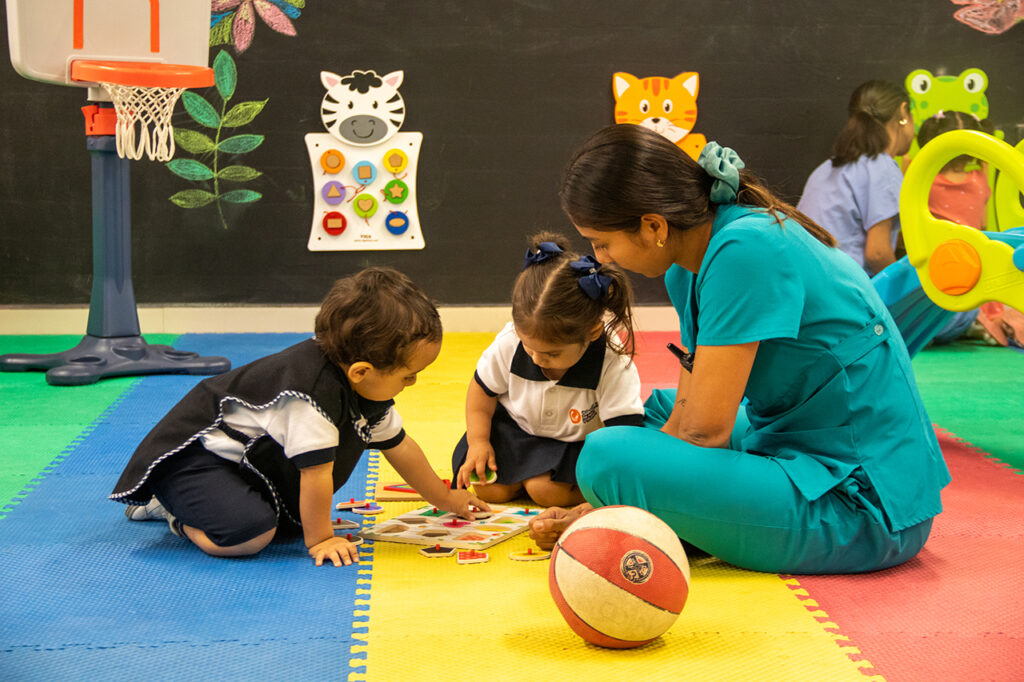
{"x":667,"y":106}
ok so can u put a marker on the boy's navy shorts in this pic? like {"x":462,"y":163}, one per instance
{"x":225,"y":500}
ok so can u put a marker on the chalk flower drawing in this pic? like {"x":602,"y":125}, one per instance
{"x":233,"y":22}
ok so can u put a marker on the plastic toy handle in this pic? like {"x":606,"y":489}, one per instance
{"x":960,"y":267}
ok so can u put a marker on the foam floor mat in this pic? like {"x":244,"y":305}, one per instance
{"x":89,"y":595}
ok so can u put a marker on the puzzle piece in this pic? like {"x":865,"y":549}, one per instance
{"x":343,"y":524}
{"x":354,"y":539}
{"x":492,"y":476}
{"x":351,"y":504}
{"x":529,"y":555}
{"x":472,"y":557}
{"x":437,"y":552}
{"x":369,"y":509}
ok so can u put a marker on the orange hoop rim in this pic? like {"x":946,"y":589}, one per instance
{"x":142,"y":74}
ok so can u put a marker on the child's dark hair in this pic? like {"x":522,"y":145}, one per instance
{"x":625,"y":171}
{"x":944,"y":122}
{"x":549,"y":300}
{"x":872,"y":105}
{"x":375,"y":316}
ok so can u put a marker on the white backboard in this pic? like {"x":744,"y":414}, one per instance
{"x":45,"y":36}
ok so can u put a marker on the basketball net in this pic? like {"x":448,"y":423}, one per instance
{"x":144,"y":120}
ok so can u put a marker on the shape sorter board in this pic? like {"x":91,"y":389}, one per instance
{"x":426,"y":526}
{"x":364,"y":198}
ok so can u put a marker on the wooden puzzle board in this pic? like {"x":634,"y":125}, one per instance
{"x":426,"y":526}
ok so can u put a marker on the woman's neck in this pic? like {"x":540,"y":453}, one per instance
{"x":691,"y":246}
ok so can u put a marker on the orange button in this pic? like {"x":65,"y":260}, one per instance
{"x":954,"y":267}
{"x":332,"y":161}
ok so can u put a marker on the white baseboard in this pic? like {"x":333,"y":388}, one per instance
{"x":245,"y":318}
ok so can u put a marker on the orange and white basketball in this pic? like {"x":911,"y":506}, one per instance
{"x":619,"y":576}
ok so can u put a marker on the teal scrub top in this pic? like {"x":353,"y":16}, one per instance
{"x":831,"y":389}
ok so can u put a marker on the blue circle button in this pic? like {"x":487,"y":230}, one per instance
{"x":396,"y":222}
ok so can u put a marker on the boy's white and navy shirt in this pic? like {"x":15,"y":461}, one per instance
{"x":296,"y":397}
{"x":602,"y":389}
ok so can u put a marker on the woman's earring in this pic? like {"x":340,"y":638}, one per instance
{"x":903,"y":121}
{"x":660,"y":244}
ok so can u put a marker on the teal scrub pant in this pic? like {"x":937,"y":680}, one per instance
{"x":739,"y":506}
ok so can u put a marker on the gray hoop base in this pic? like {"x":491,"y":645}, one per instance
{"x":96,"y":358}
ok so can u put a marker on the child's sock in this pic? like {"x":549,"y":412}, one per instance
{"x":152,"y":511}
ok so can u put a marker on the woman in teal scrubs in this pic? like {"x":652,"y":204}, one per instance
{"x":798,"y":442}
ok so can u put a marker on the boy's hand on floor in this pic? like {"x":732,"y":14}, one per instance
{"x":336,"y":549}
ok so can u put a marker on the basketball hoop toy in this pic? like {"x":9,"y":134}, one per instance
{"x":144,"y":95}
{"x":143,"y":79}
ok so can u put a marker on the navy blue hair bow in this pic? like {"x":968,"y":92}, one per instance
{"x":545,"y":251}
{"x":593,"y":283}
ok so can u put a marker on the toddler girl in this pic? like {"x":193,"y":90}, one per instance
{"x":553,"y":375}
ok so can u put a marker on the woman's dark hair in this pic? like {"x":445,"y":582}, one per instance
{"x":944,"y":122}
{"x":872,"y":105}
{"x":375,"y":316}
{"x":548,"y":302}
{"x":625,"y":171}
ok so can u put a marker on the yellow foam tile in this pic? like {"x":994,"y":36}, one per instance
{"x":433,"y":619}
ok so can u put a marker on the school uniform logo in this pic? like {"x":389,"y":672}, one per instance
{"x":587,"y":415}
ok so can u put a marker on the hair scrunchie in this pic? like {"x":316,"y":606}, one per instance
{"x":591,"y":281}
{"x":723,"y":164}
{"x":545,"y":251}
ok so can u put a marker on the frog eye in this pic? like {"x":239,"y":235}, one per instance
{"x":667,"y":106}
{"x":974,"y":81}
{"x":645,"y":106}
{"x":921,"y":83}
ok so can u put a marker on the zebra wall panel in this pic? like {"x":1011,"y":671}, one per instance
{"x":364,"y":169}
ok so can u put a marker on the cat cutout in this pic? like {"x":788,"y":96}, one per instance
{"x":362,"y":108}
{"x":667,"y":106}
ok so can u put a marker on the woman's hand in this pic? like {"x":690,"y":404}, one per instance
{"x":337,"y":549}
{"x":552,"y":522}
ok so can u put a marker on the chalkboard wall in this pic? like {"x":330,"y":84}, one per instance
{"x":502,"y":91}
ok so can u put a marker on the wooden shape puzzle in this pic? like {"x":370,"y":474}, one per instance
{"x":430,"y":526}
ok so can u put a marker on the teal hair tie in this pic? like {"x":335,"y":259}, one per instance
{"x":723,"y":164}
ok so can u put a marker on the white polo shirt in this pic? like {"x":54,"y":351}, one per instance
{"x":602,"y":389}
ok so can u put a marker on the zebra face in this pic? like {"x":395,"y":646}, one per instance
{"x":362,"y":108}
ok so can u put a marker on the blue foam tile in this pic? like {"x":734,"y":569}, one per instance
{"x":267,"y":661}
{"x":90,"y":595}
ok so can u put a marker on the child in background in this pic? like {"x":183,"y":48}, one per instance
{"x":958,"y":195}
{"x":553,"y":375}
{"x":265,"y":446}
